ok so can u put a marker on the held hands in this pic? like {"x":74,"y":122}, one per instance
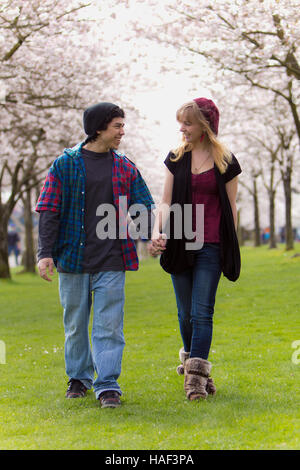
{"x":43,"y":265}
{"x":157,"y":244}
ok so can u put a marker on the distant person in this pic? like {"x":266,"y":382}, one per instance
{"x":81,"y":185}
{"x":13,"y":245}
{"x":266,"y":235}
{"x":201,"y":171}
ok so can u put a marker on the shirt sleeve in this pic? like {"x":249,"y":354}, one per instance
{"x":139,"y":192}
{"x":169,"y":164}
{"x":50,"y":196}
{"x":48,"y":231}
{"x":233,"y":170}
{"x":142,"y":203}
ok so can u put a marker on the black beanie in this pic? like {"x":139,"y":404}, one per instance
{"x":94,"y":116}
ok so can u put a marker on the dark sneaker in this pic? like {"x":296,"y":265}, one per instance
{"x":76,"y":389}
{"x":110,"y":399}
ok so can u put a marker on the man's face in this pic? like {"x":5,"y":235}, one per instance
{"x":112,"y":136}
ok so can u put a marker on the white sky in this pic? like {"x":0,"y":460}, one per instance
{"x":158,"y":103}
{"x":169,"y":97}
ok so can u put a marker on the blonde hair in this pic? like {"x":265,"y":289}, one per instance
{"x":221,"y":155}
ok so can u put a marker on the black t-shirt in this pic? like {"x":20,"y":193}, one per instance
{"x":99,"y":254}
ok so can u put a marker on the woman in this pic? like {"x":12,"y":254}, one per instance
{"x":200,"y":172}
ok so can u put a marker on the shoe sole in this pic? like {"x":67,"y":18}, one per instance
{"x":75,"y":396}
{"x":110,"y":404}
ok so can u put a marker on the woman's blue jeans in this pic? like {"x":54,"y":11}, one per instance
{"x":195,"y":291}
{"x":105,"y":357}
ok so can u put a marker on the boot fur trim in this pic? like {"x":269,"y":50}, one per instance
{"x":198,"y":366}
{"x":183,"y":356}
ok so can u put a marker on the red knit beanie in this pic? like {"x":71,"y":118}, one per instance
{"x":210,"y":112}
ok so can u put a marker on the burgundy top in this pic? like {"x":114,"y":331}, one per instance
{"x":205,"y":191}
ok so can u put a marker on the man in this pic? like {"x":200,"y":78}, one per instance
{"x":82,"y":184}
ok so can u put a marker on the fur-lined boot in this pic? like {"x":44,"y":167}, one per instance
{"x":183,"y":356}
{"x":196,"y":374}
{"x":210,"y":387}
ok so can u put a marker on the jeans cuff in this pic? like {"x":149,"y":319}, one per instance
{"x":98,"y":392}
{"x":87,"y":383}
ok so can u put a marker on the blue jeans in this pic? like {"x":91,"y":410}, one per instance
{"x":107,"y":330}
{"x":195,"y":291}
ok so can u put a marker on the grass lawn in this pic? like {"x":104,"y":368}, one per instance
{"x":257,"y":401}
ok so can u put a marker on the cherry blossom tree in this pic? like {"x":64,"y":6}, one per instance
{"x":255,"y":40}
{"x":51,"y":69}
{"x":56,"y":59}
{"x":287,"y":162}
{"x":35,"y":89}
{"x":266,"y":134}
{"x":251,"y":49}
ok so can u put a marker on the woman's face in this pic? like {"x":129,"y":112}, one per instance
{"x":190,"y":128}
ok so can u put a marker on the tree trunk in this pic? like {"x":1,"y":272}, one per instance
{"x":272,"y":219}
{"x":257,"y":239}
{"x":239,"y":229}
{"x":29,"y":253}
{"x":4,"y":263}
{"x":289,"y":236}
{"x":294,"y":110}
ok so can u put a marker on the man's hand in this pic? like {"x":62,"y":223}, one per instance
{"x":43,"y":265}
{"x":151,"y":250}
{"x":157,"y":244}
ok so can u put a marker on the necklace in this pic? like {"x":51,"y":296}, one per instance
{"x":202,"y":164}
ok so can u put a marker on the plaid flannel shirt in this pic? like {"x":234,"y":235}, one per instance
{"x":64,"y":192}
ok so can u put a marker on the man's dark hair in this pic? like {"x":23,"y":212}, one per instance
{"x":113,"y":113}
